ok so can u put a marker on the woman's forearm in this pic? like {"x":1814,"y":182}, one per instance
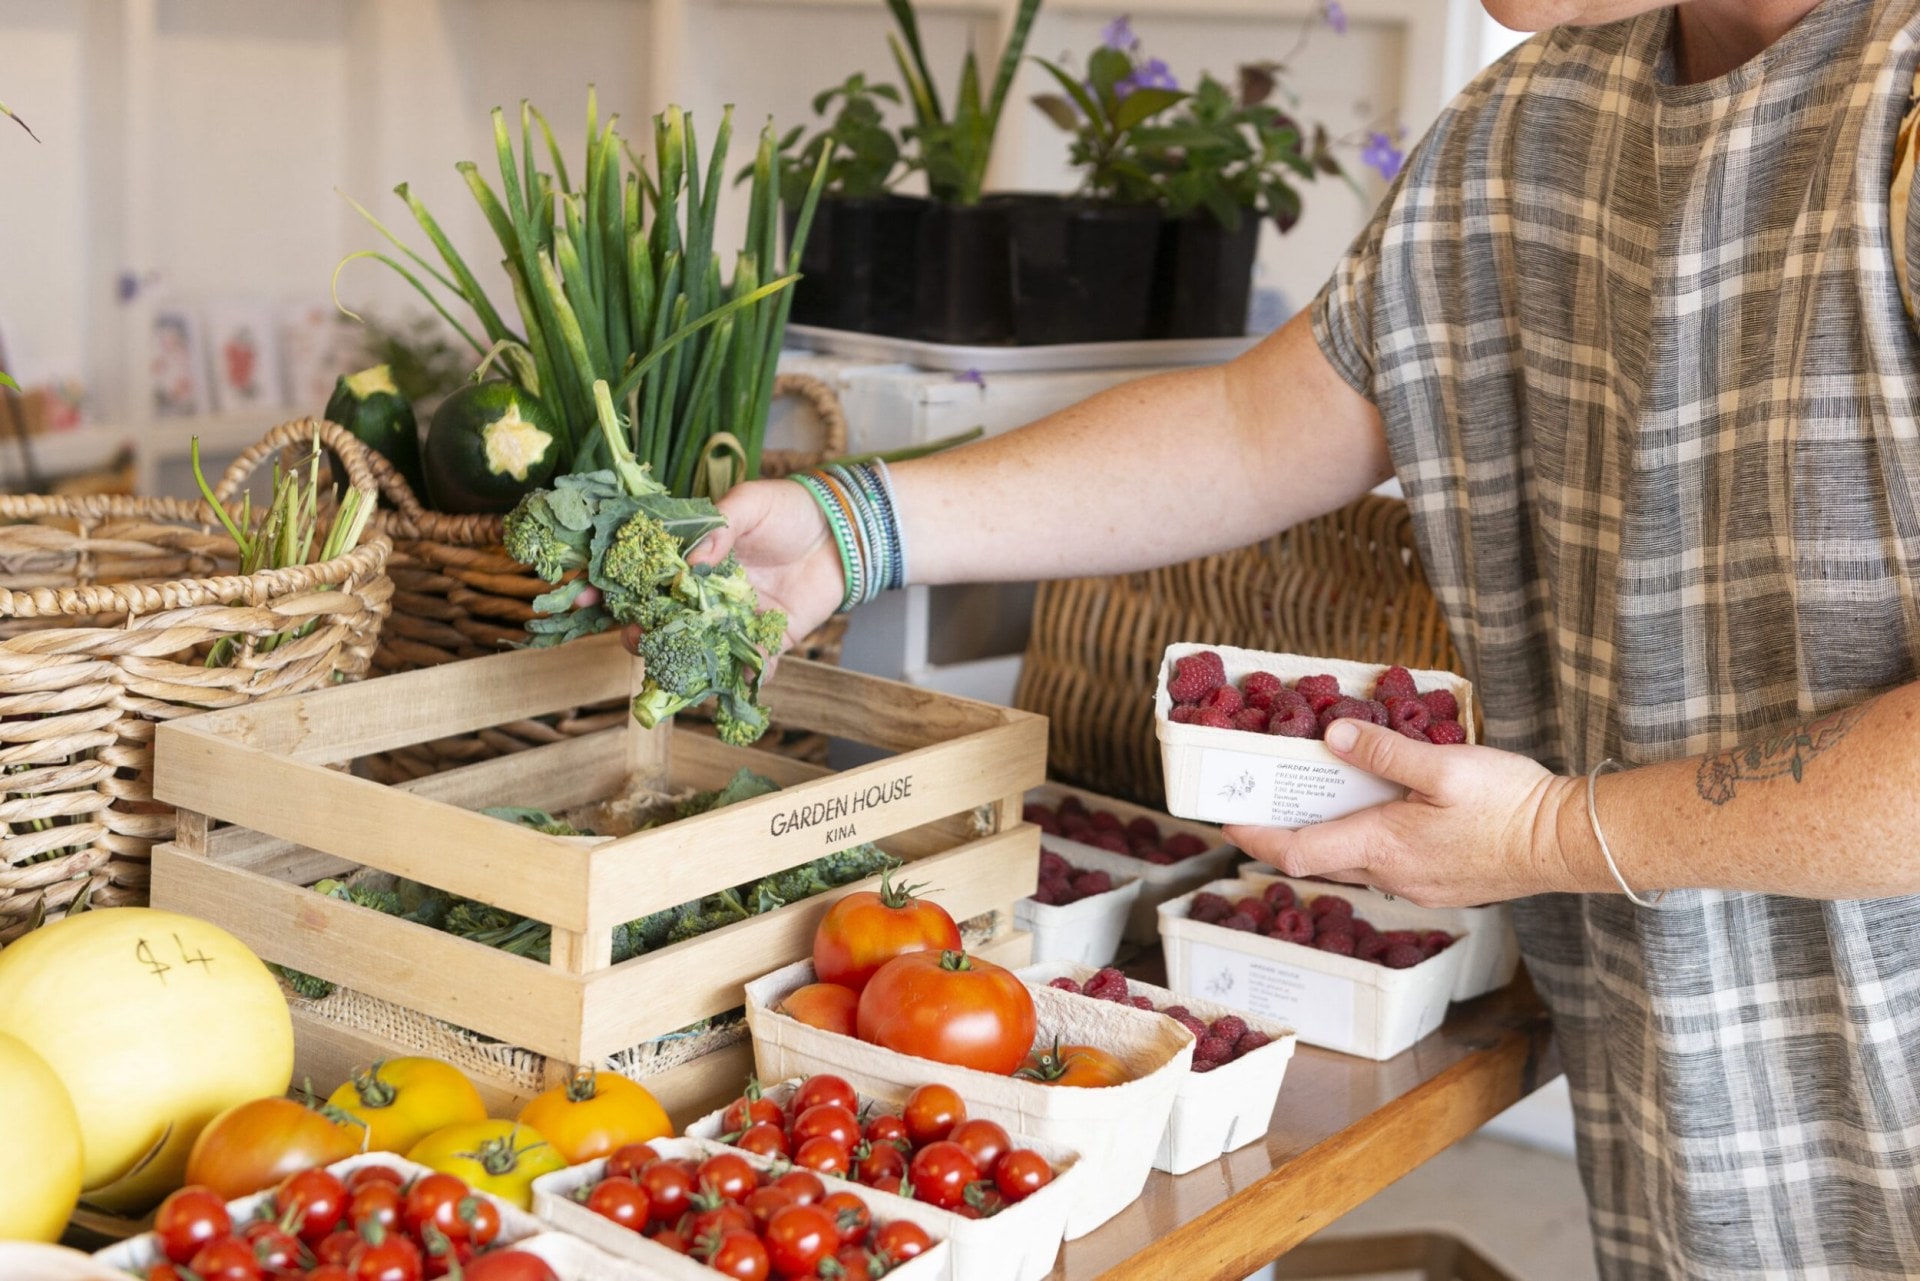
{"x":1150,"y":473}
{"x":1828,"y":809}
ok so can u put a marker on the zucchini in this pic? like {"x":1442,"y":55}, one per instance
{"x":372,"y":408}
{"x":488,"y":445}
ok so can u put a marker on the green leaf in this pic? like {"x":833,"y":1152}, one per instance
{"x":903,"y":17}
{"x":6,"y":380}
{"x":1058,"y":110}
{"x":1143,"y":105}
{"x":1089,"y":109}
{"x":1105,"y":69}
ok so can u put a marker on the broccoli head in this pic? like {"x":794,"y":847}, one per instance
{"x":641,"y":561}
{"x":534,"y":539}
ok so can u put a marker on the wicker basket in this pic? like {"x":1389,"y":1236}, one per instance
{"x":457,"y":594}
{"x":108,"y":608}
{"x":1346,"y":585}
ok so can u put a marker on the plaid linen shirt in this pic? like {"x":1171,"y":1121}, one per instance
{"x":1653,"y":396}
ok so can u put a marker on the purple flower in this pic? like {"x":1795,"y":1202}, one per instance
{"x":127,"y":286}
{"x":973,"y":376}
{"x":1151,"y":74}
{"x":1118,"y":34}
{"x":1334,"y":14}
{"x":1382,"y":156}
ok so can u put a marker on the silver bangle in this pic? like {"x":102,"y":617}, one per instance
{"x":1593,"y":817}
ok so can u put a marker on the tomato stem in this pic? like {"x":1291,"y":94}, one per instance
{"x":374,"y":1092}
{"x":582,"y":1085}
{"x":957,"y":962}
{"x":897,"y":896}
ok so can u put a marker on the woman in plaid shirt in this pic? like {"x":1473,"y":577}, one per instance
{"x":1629,"y":330}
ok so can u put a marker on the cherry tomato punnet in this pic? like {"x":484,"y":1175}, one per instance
{"x":864,"y":930}
{"x":950,"y":1008}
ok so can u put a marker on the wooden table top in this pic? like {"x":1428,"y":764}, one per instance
{"x":1344,"y":1129}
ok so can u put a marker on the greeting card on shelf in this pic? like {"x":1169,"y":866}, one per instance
{"x":178,"y":363}
{"x":244,"y":345}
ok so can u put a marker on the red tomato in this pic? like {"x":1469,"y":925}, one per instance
{"x":630,"y":1160}
{"x":1021,"y":1173}
{"x":901,"y":1240}
{"x":226,"y":1259}
{"x":336,"y":1245}
{"x":748,"y":1109}
{"x":327,"y":1272}
{"x":508,"y":1265}
{"x":984,"y":1200}
{"x":1086,"y":1066}
{"x":880,"y":1165}
{"x":931,"y":1113}
{"x":435,"y":1199}
{"x":375,"y":1202}
{"x":762,"y":1203}
{"x":940,"y":1173}
{"x":740,"y":1255}
{"x":189,"y":1219}
{"x":887,"y":1127}
{"x":621,"y":1200}
{"x":864,"y":930}
{"x":374,"y":1174}
{"x":804,"y":1184}
{"x":856,"y":1263}
{"x":669,"y":1189}
{"x":985,"y":1141}
{"x":672,"y":1239}
{"x":718,"y":1221}
{"x":443,"y":1256}
{"x":831,"y":1007}
{"x":824,"y":1088}
{"x":392,"y":1258}
{"x":763,"y":1139}
{"x":798,"y":1237}
{"x":254,"y":1145}
{"x":951,"y":1008}
{"x":274,"y":1248}
{"x":166,"y":1271}
{"x":827,"y":1120}
{"x":314,"y":1201}
{"x":728,"y":1175}
{"x":823,"y":1155}
{"x":851,"y":1218}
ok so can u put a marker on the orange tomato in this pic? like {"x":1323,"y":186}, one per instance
{"x":1080,"y":1065}
{"x":595,"y":1113}
{"x":824,"y":1005}
{"x":254,"y":1145}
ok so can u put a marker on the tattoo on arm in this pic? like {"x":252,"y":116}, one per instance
{"x":1784,"y":754}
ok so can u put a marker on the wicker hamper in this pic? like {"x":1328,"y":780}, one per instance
{"x":109,"y":606}
{"x":1345,"y":585}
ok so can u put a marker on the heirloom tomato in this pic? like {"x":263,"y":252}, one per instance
{"x":951,"y":1008}
{"x":866,"y":929}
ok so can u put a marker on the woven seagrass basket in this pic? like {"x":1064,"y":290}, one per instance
{"x":1345,"y":585}
{"x":457,"y":594}
{"x":109,"y":606}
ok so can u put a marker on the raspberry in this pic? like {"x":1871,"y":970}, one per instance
{"x":1262,"y":684}
{"x":1108,"y":976}
{"x":1177,"y":1012}
{"x":1442,"y":704}
{"x":1192,"y":1025}
{"x":1140,"y":1002}
{"x":1052,"y":864}
{"x":1410,"y":937}
{"x":1141,"y":848}
{"x":1144,"y":829}
{"x":1107,"y":821}
{"x":1075,"y":826}
{"x":1340,"y":944}
{"x":1194,"y":678}
{"x":1054,"y":891}
{"x":1228,"y":1026}
{"x":1071,"y":804}
{"x":1065,"y":985}
{"x":1038,"y":814}
{"x":1182,"y":714}
{"x":1434,"y":942}
{"x":1250,"y":719}
{"x":1330,"y":905}
{"x":1395,"y":682}
{"x":1160,"y":858}
{"x":1298,"y":724}
{"x":1109,"y":841}
{"x":1250,"y":1040}
{"x":1320,"y":703}
{"x":1239,"y":921}
{"x":1226,"y":700}
{"x":1279,"y":895}
{"x":1312,"y":687}
{"x":1363,"y":928}
{"x":1403,"y":713}
{"x":1370,"y":948}
{"x":1446,"y":732}
{"x":1256,"y":908}
{"x":1200,"y":1065}
{"x":1342,"y":709}
{"x":1213,"y":1049}
{"x":1213,"y":660}
{"x":1378,"y":710}
{"x":1184,"y":845}
{"x":1293,"y":925}
{"x":1209,"y":907}
{"x":1401,"y":956}
{"x":1417,"y":735}
{"x":1087,"y":884}
{"x":1211,"y":719}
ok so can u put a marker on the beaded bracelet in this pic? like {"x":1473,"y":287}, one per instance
{"x":857,"y":500}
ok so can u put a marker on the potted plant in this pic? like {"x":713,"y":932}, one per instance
{"x":1083,"y":264}
{"x":858,"y":269}
{"x":961,"y":288}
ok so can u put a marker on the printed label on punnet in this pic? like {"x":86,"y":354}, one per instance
{"x":1275,"y":791}
{"x":1318,"y":1006}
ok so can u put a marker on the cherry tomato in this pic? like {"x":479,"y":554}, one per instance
{"x":728,"y":1175}
{"x":314,"y":1201}
{"x":851,"y":1218}
{"x":828,"y":1120}
{"x":1086,"y":1066}
{"x":856,"y":1263}
{"x":831,"y":1007}
{"x":985,"y":1141}
{"x":823,"y":1155}
{"x":750,"y":1108}
{"x":508,"y":1265}
{"x":628,"y":1161}
{"x":805,"y":1185}
{"x":887,"y":1127}
{"x":433,"y":1199}
{"x":1021,"y":1173}
{"x":189,"y":1219}
{"x":798,"y":1237}
{"x":374,"y":1174}
{"x":443,"y":1256}
{"x":983,"y":1200}
{"x":621,"y":1200}
{"x":225,"y":1259}
{"x":669,"y":1189}
{"x":940,"y":1173}
{"x":673,"y":1239}
{"x":741,"y":1256}
{"x":881,"y":1165}
{"x":931,"y":1113}
{"x":328,"y":1272}
{"x":900,"y":1240}
{"x":336,"y":1245}
{"x":717,"y":1221}
{"x":392,"y":1258}
{"x":375,"y":1202}
{"x":274,"y":1248}
{"x":824,"y":1088}
{"x":763,"y":1139}
{"x":864,"y":930}
{"x":166,"y":1270}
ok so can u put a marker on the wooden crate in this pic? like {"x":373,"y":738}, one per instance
{"x":948,"y":800}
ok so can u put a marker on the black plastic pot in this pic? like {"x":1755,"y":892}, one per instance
{"x":858,"y":268}
{"x":1204,"y":277}
{"x":962,"y":288}
{"x":1082,"y":269}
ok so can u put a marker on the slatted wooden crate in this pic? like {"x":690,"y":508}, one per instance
{"x":947,"y":799}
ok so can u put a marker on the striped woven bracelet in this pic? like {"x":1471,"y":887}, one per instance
{"x":839,"y":524}
{"x":857,"y":501}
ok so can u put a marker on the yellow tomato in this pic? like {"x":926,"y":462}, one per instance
{"x":40,"y":1158}
{"x":595,"y":1113}
{"x":404,"y":1100}
{"x":498,"y":1157}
